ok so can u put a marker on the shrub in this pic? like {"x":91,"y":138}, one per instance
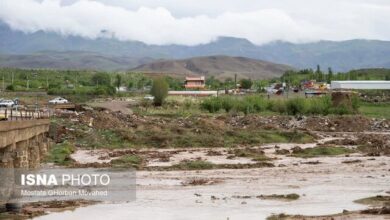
{"x":244,"y":106}
{"x":188,"y":104}
{"x":60,"y":91}
{"x":227,"y":103}
{"x":128,"y":161}
{"x":340,"y":110}
{"x":60,"y":154}
{"x":246,"y":83}
{"x":104,"y":90}
{"x":212,"y":105}
{"x":277,"y":106}
{"x":296,"y":106}
{"x":159,"y":91}
{"x":194,"y":165}
{"x":321,"y":151}
{"x":355,"y":102}
{"x":10,"y":88}
{"x":99,"y":90}
{"x":258,"y":103}
{"x":319,"y":106}
{"x":248,"y":104}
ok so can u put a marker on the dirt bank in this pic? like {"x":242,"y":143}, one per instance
{"x":34,"y":209}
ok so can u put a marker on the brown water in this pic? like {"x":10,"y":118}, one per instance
{"x":325,"y":188}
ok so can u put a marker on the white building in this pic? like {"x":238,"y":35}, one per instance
{"x":368,"y":84}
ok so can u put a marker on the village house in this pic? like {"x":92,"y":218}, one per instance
{"x":195,"y":82}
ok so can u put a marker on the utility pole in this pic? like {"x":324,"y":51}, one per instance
{"x":235,"y":81}
{"x":12,"y":78}
{"x":3,"y":82}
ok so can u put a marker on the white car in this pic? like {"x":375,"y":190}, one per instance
{"x":149,"y":97}
{"x":58,"y":100}
{"x":6,"y":103}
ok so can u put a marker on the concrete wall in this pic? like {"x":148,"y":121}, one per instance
{"x":23,"y":144}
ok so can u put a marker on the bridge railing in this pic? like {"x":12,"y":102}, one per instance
{"x":11,"y":114}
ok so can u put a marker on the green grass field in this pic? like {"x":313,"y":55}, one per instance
{"x":375,"y":110}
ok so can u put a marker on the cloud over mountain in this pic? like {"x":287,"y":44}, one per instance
{"x":153,"y":22}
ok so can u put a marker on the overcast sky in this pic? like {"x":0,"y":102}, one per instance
{"x":192,"y":22}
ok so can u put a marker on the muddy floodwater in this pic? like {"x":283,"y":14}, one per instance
{"x":328,"y":187}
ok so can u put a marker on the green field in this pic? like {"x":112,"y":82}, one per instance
{"x":375,"y":110}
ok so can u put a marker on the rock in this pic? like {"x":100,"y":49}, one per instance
{"x":297,"y":149}
{"x":214,"y":198}
{"x":282,"y":151}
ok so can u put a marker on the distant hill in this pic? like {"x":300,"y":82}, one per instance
{"x":71,"y":60}
{"x":221,"y":67}
{"x":341,"y":56}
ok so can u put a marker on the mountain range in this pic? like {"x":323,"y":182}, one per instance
{"x":72,"y":60}
{"x":51,"y":50}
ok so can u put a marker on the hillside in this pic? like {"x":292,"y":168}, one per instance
{"x":341,"y":56}
{"x":221,"y":67}
{"x":71,"y":60}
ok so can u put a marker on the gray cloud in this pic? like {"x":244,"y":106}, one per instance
{"x":191,"y":22}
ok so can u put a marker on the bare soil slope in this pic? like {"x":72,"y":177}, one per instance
{"x":221,"y":67}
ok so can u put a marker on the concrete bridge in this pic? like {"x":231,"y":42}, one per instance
{"x":23,"y":144}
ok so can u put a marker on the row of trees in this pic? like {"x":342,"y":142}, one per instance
{"x":228,"y":83}
{"x":295,"y":77}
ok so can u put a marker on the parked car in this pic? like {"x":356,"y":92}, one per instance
{"x":58,"y":100}
{"x":6,"y":103}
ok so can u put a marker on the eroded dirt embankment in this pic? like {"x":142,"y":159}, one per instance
{"x":105,"y":129}
{"x":171,"y":143}
{"x":104,"y":119}
{"x":35,"y":209}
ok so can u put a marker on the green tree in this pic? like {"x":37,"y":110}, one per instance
{"x":246,"y":83}
{"x":352,"y":75}
{"x":118,"y":81}
{"x":330,"y":75}
{"x":229,"y":83}
{"x":174,"y":84}
{"x":101,"y":79}
{"x":311,"y":74}
{"x":318,"y":69}
{"x":213,"y":83}
{"x":159,"y":91}
{"x":319,"y":74}
{"x":260,"y":85}
{"x":131,"y":85}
